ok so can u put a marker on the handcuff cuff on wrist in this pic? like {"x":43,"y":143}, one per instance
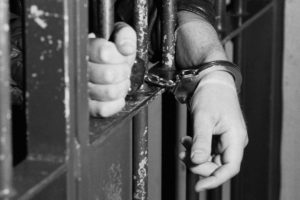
{"x":183,"y":83}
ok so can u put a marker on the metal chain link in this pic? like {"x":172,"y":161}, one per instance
{"x":159,"y":81}
{"x":168,"y":83}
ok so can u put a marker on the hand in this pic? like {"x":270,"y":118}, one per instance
{"x":214,"y":107}
{"x":109,"y":70}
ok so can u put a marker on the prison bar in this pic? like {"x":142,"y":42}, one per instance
{"x":6,"y":171}
{"x":140,"y":121}
{"x":106,"y":18}
{"x":74,"y":127}
{"x":168,"y":36}
{"x":220,"y":18}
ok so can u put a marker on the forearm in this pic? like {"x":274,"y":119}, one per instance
{"x":198,"y":42}
{"x":201,"y":8}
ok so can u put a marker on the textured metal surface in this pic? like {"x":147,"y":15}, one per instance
{"x":168,"y":36}
{"x":100,"y":127}
{"x":141,"y":28}
{"x":47,"y":89}
{"x":108,"y":167}
{"x":140,"y":121}
{"x":140,"y":155}
{"x":140,"y":24}
{"x":5,"y":111}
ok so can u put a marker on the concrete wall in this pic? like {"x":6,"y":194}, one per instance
{"x":291,"y":105}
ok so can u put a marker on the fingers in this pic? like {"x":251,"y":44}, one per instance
{"x":109,"y":70}
{"x":123,"y":47}
{"x":203,"y":130}
{"x":105,"y":109}
{"x":108,"y":92}
{"x":230,"y":166}
{"x":204,"y":170}
{"x":104,"y":52}
{"x":125,"y":38}
{"x":108,"y":73}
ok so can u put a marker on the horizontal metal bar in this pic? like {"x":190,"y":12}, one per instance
{"x":29,"y":180}
{"x":247,"y":23}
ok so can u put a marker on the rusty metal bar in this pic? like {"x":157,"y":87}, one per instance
{"x":140,"y":121}
{"x":106,"y":14}
{"x":140,"y":155}
{"x":141,"y":27}
{"x":168,"y":36}
{"x":5,"y":112}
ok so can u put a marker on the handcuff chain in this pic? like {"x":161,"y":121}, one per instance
{"x":165,"y":83}
{"x":159,"y":81}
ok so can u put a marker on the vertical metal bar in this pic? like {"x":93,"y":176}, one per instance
{"x":140,"y":155}
{"x":75,"y":64}
{"x":140,"y":24}
{"x":235,"y":184}
{"x":181,"y":128}
{"x":106,"y":18}
{"x":5,"y":111}
{"x":191,"y":179}
{"x":168,"y":36}
{"x":140,"y":121}
{"x":239,"y":13}
{"x":141,"y":27}
{"x":220,"y":19}
{"x":276,"y":104}
{"x":215,"y":194}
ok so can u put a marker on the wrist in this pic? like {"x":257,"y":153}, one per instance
{"x":218,"y":76}
{"x":215,"y":72}
{"x":221,"y":80}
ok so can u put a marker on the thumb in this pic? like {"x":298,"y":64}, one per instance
{"x":125,"y":38}
{"x":201,"y":147}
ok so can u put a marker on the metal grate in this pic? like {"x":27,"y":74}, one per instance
{"x":74,"y":156}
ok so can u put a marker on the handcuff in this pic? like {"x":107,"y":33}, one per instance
{"x":183,"y":83}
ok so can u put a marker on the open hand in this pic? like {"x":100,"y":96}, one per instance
{"x":214,"y":107}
